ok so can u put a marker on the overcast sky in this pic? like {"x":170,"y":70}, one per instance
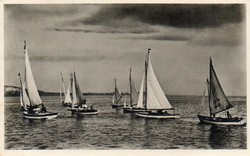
{"x":101,"y":42}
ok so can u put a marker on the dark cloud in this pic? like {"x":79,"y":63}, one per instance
{"x":183,"y":16}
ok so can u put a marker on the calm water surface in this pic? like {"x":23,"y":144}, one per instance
{"x":111,"y":129}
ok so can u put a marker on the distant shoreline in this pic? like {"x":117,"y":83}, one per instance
{"x":15,"y":92}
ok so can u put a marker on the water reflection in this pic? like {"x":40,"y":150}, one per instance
{"x":220,"y":137}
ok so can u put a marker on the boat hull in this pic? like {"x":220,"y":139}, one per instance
{"x":132,"y":110}
{"x":85,"y":112}
{"x":221,"y":121}
{"x":116,"y":106}
{"x":158,"y":115}
{"x":46,"y":115}
{"x":66,"y":104}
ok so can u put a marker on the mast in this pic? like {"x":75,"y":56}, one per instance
{"x":130,"y":88}
{"x":146,"y":75}
{"x":115,"y":92}
{"x":209,"y":89}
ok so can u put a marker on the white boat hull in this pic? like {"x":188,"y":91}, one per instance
{"x":158,"y":116}
{"x":221,"y":121}
{"x":40,"y":115}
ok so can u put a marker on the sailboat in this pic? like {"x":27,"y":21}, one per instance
{"x":79,"y":103}
{"x":133,"y":97}
{"x":218,"y":102}
{"x":33,"y":105}
{"x":116,"y":99}
{"x":152,"y":99}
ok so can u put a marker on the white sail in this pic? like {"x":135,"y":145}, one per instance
{"x":156,"y":98}
{"x":140,"y":98}
{"x":68,"y":97}
{"x":30,"y":82}
{"x":25,"y":98}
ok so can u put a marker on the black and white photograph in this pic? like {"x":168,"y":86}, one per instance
{"x":125,"y":76}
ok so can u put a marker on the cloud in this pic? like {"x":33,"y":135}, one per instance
{"x":182,"y":16}
{"x":143,"y":18}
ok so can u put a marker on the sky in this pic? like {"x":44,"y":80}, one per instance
{"x":102,"y":41}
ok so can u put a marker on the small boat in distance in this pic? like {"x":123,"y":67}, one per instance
{"x":33,"y":105}
{"x":152,"y":99}
{"x":133,"y":97}
{"x":79,"y":103}
{"x":217,"y":102}
{"x":116,"y":98}
{"x":62,"y":91}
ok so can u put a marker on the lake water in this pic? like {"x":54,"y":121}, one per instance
{"x":112,"y":129}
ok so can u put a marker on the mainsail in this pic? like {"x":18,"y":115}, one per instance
{"x":155,"y":97}
{"x":218,"y":100}
{"x":77,"y":94}
{"x":30,"y":82}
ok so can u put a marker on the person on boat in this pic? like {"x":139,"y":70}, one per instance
{"x":91,"y":107}
{"x":229,"y":115}
{"x":43,"y":109}
{"x":160,"y":111}
{"x":30,"y":110}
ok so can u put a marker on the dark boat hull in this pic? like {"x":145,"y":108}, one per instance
{"x":84,"y":112}
{"x":132,"y":110}
{"x":66,"y":104}
{"x":116,"y":106}
{"x":46,"y":115}
{"x":157,"y":115}
{"x":221,"y":121}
